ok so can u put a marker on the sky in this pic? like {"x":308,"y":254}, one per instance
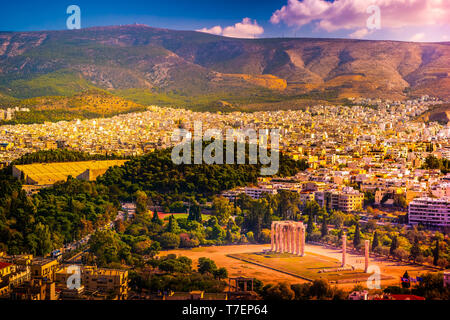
{"x":405,"y":20}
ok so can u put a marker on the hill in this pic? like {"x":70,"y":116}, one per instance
{"x":439,"y":113}
{"x":196,"y":70}
{"x":92,"y":103}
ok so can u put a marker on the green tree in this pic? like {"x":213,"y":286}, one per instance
{"x":324,"y":229}
{"x":141,"y":201}
{"x":223,"y":209}
{"x":357,"y":237}
{"x":280,"y":291}
{"x":375,"y":241}
{"x":406,"y":284}
{"x":221,"y":273}
{"x":394,"y":246}
{"x":206,"y":265}
{"x":415,"y":249}
{"x":169,"y":240}
{"x":310,"y":227}
{"x":436,"y":253}
{"x":172,"y":226}
{"x":195,"y":213}
{"x":156,"y":219}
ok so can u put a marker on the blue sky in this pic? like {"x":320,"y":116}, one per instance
{"x":244,"y":18}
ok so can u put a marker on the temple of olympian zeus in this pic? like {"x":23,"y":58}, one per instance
{"x":288,"y":236}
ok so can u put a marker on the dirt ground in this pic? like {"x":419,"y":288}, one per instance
{"x":240,"y":268}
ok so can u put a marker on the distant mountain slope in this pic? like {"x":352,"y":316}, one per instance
{"x":124,"y":58}
{"x":440,"y":113}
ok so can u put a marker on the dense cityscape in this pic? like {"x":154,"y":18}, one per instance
{"x":234,"y":158}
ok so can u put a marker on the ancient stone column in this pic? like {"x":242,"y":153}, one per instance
{"x":302,"y":240}
{"x":272,"y":236}
{"x":278,"y":237}
{"x":366,"y":255}
{"x":299,"y":239}
{"x":281,"y":238}
{"x":290,"y":238}
{"x":344,"y":248}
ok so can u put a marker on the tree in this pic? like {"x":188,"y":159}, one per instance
{"x":206,"y":265}
{"x":309,"y":227}
{"x":375,"y":241}
{"x":324,"y":229}
{"x":406,"y":281}
{"x":141,"y":201}
{"x":357,"y":237}
{"x":221,"y":273}
{"x":223,"y":209}
{"x":415,"y":249}
{"x":281,"y":291}
{"x":169,"y":240}
{"x":195,"y":213}
{"x":156,"y":219}
{"x":172,"y":226}
{"x":394,"y":246}
{"x":436,"y":253}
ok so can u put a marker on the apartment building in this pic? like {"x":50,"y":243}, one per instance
{"x":108,"y":281}
{"x":346,"y":200}
{"x":44,"y":268}
{"x":430,"y":212}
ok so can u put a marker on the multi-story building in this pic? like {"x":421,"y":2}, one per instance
{"x":44,"y":268}
{"x":258,"y":192}
{"x":430,"y":212}
{"x":107,"y":281}
{"x":346,"y":200}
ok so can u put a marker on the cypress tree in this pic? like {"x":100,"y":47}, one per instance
{"x":375,"y":242}
{"x":394,"y":246}
{"x":415,"y":249}
{"x":309,"y":227}
{"x":156,"y":219}
{"x":173,"y":225}
{"x":357,"y":237}
{"x":324,"y":230}
{"x":436,"y":253}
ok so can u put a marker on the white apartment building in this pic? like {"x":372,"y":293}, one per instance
{"x":257,"y":192}
{"x":430,"y":212}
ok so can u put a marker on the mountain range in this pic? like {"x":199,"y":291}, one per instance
{"x":208,"y":72}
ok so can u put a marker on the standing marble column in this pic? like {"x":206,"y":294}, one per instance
{"x":296,"y":239}
{"x":344,"y":248}
{"x":272,"y":236}
{"x":291,"y":238}
{"x":278,"y":237}
{"x":366,"y":255}
{"x":302,"y":240}
{"x":282,"y":239}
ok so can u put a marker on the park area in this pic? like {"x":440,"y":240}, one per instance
{"x":316,"y":257}
{"x":310,"y":267}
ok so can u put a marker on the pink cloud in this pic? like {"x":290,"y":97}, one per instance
{"x":214,"y":30}
{"x":245,"y":29}
{"x":351,"y":14}
{"x":359,"y":34}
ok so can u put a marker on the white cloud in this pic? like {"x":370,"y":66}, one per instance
{"x":418,"y":37}
{"x":245,"y":29}
{"x":359,"y":34}
{"x":214,"y":30}
{"x":352,"y":14}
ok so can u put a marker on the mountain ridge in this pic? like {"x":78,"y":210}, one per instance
{"x":189,"y":63}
